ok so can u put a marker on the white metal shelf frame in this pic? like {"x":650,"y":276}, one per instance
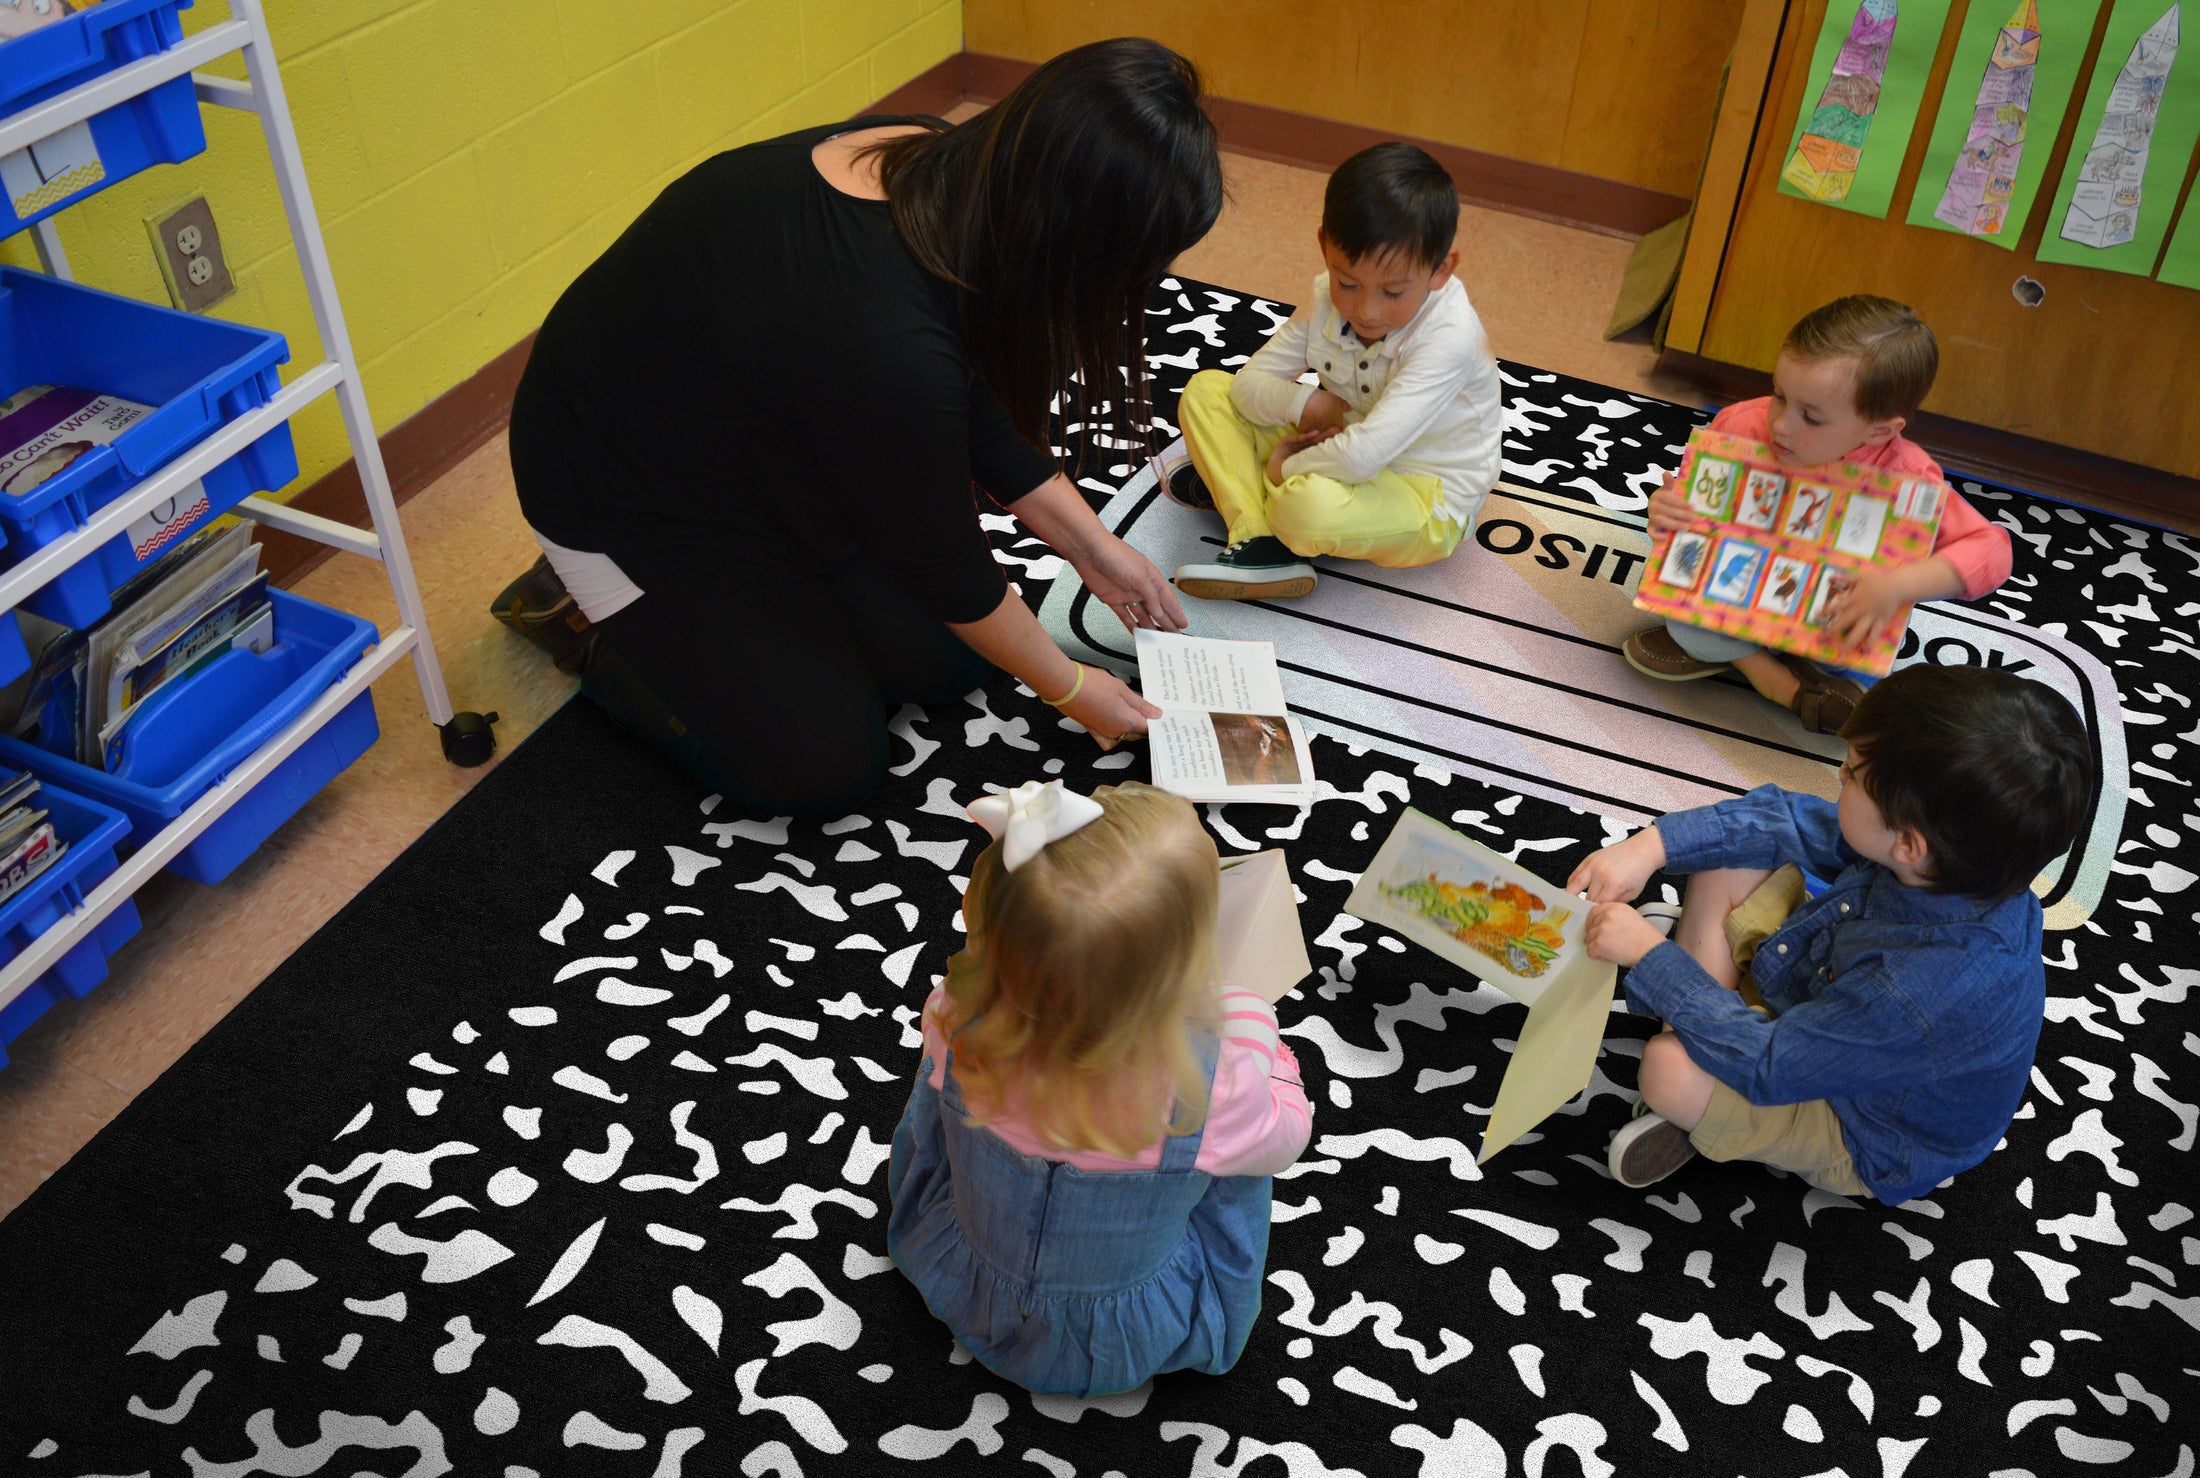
{"x":261,"y":93}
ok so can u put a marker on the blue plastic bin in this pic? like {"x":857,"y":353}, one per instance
{"x":198,"y":373}
{"x":160,"y":126}
{"x":15,"y":658}
{"x":92,"y":831}
{"x":192,"y":733}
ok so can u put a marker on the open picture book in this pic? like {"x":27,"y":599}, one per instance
{"x":1224,"y":733}
{"x":1504,"y":925}
{"x":1777,"y":547}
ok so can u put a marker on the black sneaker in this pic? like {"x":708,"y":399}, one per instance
{"x":1251,"y":569}
{"x":1187,"y":489}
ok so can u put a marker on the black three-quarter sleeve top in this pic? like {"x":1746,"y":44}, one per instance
{"x":758,"y":368}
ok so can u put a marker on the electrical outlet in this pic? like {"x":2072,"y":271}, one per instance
{"x":188,"y":247}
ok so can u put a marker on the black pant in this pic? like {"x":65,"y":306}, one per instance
{"x":771,"y":683}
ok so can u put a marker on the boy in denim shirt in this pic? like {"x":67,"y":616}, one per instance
{"x":1877,"y":1038}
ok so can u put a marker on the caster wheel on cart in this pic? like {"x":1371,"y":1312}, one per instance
{"x":468,"y":740}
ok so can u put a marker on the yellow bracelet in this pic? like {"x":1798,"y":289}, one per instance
{"x":1075,"y":688}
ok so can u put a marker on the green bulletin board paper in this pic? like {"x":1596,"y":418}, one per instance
{"x":2169,"y":149}
{"x":2065,"y":30}
{"x":1901,"y":86}
{"x":2181,"y":267}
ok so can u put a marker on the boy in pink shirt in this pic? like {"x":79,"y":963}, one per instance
{"x":1849,"y":378}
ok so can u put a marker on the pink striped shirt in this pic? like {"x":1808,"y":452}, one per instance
{"x":1258,"y":1119}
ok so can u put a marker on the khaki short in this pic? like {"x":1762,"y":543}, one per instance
{"x":1803,"y":1137}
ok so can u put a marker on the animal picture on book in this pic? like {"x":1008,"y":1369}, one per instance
{"x":1830,"y":589}
{"x":1734,"y":571}
{"x":1256,"y":749}
{"x":1760,"y":499}
{"x":1684,"y":561}
{"x":1806,"y":515}
{"x":1863,"y":520}
{"x":1784,"y":587}
{"x":1711,"y":486}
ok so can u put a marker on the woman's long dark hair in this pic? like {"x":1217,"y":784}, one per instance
{"x":1057,"y":210}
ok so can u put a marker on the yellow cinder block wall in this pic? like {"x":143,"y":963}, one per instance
{"x":468,"y":158}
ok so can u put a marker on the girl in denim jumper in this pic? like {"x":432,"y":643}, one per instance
{"x":1080,"y":1182}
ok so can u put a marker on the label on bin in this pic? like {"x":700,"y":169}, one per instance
{"x":46,"y":427}
{"x":167,"y":521}
{"x":48,"y":172}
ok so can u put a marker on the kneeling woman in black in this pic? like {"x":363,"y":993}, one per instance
{"x":747,"y":434}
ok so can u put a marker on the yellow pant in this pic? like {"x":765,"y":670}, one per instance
{"x":1390,"y":520}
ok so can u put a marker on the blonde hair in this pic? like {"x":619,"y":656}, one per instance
{"x":1895,"y":352}
{"x":1085,"y":969}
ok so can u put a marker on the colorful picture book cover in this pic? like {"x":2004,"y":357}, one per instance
{"x":1778,"y":546}
{"x":1483,"y":912}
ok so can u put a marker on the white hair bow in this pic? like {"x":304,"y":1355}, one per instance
{"x":1034,"y":813}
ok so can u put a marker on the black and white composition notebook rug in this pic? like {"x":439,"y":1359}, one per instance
{"x":561,"y":1150}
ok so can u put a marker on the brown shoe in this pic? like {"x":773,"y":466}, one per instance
{"x":1824,"y":700}
{"x":1653,"y":653}
{"x":1648,"y":1148}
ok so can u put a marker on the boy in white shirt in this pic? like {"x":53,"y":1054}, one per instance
{"x":1389,"y":457}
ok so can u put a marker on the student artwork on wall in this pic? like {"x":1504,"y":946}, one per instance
{"x":1867,"y":75}
{"x":2134,"y":138}
{"x":1780,"y":546}
{"x":2009,"y":83}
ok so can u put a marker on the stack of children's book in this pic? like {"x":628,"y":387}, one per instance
{"x":205,"y":597}
{"x":28,"y":845}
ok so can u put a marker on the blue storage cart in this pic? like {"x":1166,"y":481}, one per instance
{"x":158,"y":126}
{"x":92,"y":832}
{"x":189,"y":735}
{"x":198,"y":373}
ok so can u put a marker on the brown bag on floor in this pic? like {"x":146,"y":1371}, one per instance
{"x":537,"y":606}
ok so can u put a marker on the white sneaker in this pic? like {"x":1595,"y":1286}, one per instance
{"x":1648,"y":1148}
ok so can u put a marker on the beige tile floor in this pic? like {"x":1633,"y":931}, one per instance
{"x":1543,"y":291}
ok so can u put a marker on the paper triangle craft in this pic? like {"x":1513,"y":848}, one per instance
{"x":1259,"y":940}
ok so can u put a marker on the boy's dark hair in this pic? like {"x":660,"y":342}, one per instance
{"x":1992,"y":770}
{"x":1056,"y":211}
{"x":1896,"y":355}
{"x":1391,"y":198}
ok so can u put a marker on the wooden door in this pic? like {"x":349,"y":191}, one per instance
{"x":2102,"y":364}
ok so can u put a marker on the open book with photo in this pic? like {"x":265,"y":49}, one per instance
{"x":1223,"y":734}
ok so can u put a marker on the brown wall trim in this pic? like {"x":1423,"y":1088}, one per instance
{"x":2063,"y":473}
{"x":934,"y":91}
{"x":415,"y":452}
{"x":1543,"y":191}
